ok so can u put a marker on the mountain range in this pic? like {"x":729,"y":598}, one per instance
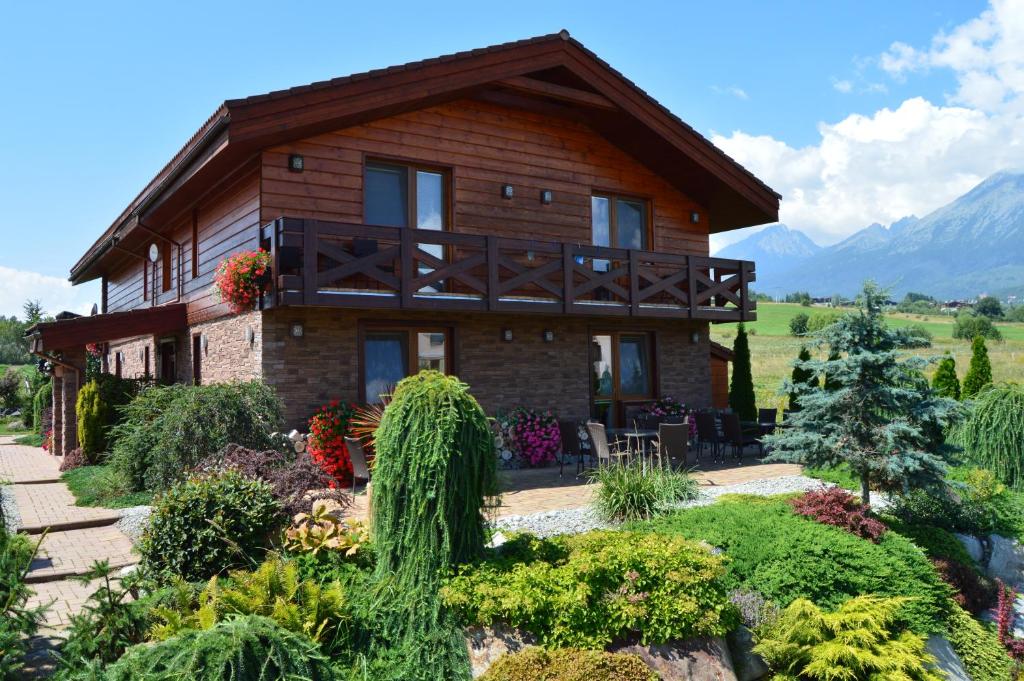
{"x":973,"y":245}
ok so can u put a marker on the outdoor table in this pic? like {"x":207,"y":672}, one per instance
{"x":640,"y":436}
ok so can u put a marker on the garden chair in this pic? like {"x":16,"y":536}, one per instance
{"x":672,"y":442}
{"x":707,"y":434}
{"x":570,"y":436}
{"x":604,"y":450}
{"x":766,"y":420}
{"x":737,"y":438}
{"x":360,"y":469}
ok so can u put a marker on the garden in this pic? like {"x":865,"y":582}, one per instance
{"x":252,"y":568}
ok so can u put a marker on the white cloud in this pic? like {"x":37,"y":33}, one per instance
{"x":915,"y":157}
{"x":843,"y":86}
{"x":54,"y":293}
{"x":737,"y":92}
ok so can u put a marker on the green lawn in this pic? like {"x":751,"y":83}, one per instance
{"x":100,"y":486}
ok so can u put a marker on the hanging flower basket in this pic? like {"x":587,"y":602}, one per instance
{"x":241,"y":278}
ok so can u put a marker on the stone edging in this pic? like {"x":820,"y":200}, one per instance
{"x":9,"y":516}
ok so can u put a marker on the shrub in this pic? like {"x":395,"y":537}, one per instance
{"x":323,"y":529}
{"x":274,"y":590}
{"x":43,"y":399}
{"x":973,"y":592}
{"x":945,"y":382}
{"x":167,"y":430}
{"x":820,"y":320}
{"x":978,"y":648}
{"x":936,"y":542}
{"x":591,"y":589}
{"x":567,"y":664}
{"x":73,"y":459}
{"x":785,"y":556}
{"x":741,"y":387}
{"x":755,"y":610}
{"x":801,"y":379}
{"x":914,"y":336}
{"x":327,"y":430}
{"x":207,"y":525}
{"x":434,"y":469}
{"x":635,"y":492}
{"x":296,"y":482}
{"x":861,"y":640}
{"x":10,"y":387}
{"x":798,"y":324}
{"x":970,"y":327}
{"x":17,"y":622}
{"x":247,"y":648}
{"x":992,"y":435}
{"x":92,"y":414}
{"x":534,"y":435}
{"x":835,"y":506}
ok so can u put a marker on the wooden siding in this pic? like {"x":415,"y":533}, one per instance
{"x":719,"y":382}
{"x":486,"y":146}
{"x":228,"y":221}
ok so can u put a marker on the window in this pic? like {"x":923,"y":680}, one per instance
{"x":619,"y":222}
{"x":391,"y":354}
{"x":165,"y":267}
{"x":622,"y":370}
{"x":197,"y":360}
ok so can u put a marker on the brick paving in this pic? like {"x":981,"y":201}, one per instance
{"x":52,"y":505}
{"x":72,"y":552}
{"x":21,"y":464}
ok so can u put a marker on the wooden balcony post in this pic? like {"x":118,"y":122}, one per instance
{"x":492,"y":272}
{"x":634,"y":282}
{"x":407,"y":266}
{"x":691,"y":285}
{"x":309,"y":261}
{"x":743,"y":291}
{"x":568,"y":263}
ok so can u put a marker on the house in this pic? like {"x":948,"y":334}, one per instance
{"x":521,"y":215}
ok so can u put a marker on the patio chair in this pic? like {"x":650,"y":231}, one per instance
{"x":737,"y":438}
{"x":672,"y":442}
{"x":605,"y":451}
{"x":707,"y":434}
{"x":766,"y":419}
{"x":360,"y":469}
{"x":570,"y":436}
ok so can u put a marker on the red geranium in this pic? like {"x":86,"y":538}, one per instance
{"x":238,"y":280}
{"x":327,"y":430}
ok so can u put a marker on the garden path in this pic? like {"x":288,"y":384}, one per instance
{"x":35,"y":500}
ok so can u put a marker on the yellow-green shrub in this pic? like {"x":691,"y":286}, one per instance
{"x":590,"y":589}
{"x":93,"y":416}
{"x":567,"y":664}
{"x":978,"y":647}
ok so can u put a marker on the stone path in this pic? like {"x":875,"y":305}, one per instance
{"x":75,"y":536}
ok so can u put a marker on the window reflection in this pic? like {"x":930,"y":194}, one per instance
{"x":384,"y":357}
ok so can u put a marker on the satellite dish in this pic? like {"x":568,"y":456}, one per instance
{"x":154,"y":252}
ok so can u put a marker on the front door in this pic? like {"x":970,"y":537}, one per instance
{"x":168,"y":362}
{"x":622,"y":372}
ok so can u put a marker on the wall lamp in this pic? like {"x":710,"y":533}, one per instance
{"x":506,"y":335}
{"x":694,"y":217}
{"x":695,"y":337}
{"x":296,"y":163}
{"x":297,"y":330}
{"x":549,"y":335}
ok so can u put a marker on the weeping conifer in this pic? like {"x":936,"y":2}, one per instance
{"x":434,"y":470}
{"x":992,"y":436}
{"x":979,"y":373}
{"x":945,"y":382}
{"x":741,"y":389}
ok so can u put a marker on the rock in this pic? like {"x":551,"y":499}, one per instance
{"x":695,"y":659}
{"x":973,"y":546}
{"x":487,"y":644}
{"x":300,"y":446}
{"x":497,"y":540}
{"x":747,"y":664}
{"x":294,"y":435}
{"x":1007,"y":561}
{"x":946,"y":659}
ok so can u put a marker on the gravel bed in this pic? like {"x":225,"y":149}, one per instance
{"x":9,"y":517}
{"x":577,"y":520}
{"x":134,"y":521}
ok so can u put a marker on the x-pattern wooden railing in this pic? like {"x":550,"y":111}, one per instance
{"x":364,"y":266}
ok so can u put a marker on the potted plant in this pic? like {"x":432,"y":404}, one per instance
{"x":242,"y":278}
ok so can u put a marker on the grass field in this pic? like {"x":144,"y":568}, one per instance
{"x":772,"y":349}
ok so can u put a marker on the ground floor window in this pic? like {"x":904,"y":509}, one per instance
{"x":389,"y":354}
{"x":622,"y":371}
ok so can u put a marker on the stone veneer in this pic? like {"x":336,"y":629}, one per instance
{"x":323,"y":363}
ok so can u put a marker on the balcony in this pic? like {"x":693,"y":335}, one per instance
{"x":319,"y":263}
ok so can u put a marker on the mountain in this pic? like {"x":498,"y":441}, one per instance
{"x":972,"y":245}
{"x":775,"y":249}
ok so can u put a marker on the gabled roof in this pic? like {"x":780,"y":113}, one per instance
{"x":558,"y":67}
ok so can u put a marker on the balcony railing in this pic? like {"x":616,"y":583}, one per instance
{"x":362,"y":266}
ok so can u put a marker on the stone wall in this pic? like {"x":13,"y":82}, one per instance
{"x":528,"y":371}
{"x":229,"y":356}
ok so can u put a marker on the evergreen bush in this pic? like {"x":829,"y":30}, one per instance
{"x":243,"y":648}
{"x":992,"y":435}
{"x":591,"y":589}
{"x":944,"y":382}
{"x":822,"y":320}
{"x":741,"y":388}
{"x":861,"y":640}
{"x":93,"y":415}
{"x":798,"y":324}
{"x":567,"y":664}
{"x":970,"y":326}
{"x":167,"y":430}
{"x":17,"y":622}
{"x":979,"y":372}
{"x":801,"y":379}
{"x":43,"y":399}
{"x":207,"y":525}
{"x":978,"y":648}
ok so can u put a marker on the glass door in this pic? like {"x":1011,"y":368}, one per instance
{"x":621,"y":373}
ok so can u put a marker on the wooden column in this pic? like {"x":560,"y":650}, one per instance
{"x":57,"y":383}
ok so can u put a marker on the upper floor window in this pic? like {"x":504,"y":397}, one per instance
{"x":619,"y":221}
{"x":399,"y":195}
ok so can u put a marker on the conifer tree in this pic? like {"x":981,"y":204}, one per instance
{"x":880,"y":418}
{"x":741,"y":389}
{"x":979,"y":373}
{"x":945,"y":382}
{"x":801,"y":379}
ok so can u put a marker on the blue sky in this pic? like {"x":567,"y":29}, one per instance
{"x":98,"y":96}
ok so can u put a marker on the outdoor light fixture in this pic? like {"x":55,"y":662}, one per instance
{"x":297,"y":330}
{"x":506,"y":335}
{"x":549,"y":335}
{"x":296,"y":163}
{"x":142,"y":354}
{"x":249,"y":335}
{"x":204,"y":342}
{"x":695,"y":337}
{"x":507,"y":192}
{"x":545,"y":196}
{"x":694,"y":217}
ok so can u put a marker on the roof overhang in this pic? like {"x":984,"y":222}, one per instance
{"x":47,"y":337}
{"x":553,"y":71}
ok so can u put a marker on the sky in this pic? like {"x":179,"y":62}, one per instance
{"x":856,"y":112}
